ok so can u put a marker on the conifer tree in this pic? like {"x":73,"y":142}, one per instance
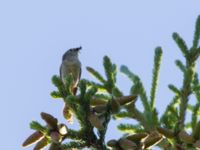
{"x":98,"y":102}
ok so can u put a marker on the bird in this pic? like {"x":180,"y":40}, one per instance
{"x":71,"y":65}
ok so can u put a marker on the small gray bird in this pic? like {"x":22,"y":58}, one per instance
{"x":71,"y":65}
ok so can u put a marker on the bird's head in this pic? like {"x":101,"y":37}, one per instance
{"x":71,"y":53}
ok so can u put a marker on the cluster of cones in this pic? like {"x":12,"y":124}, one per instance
{"x":141,"y":141}
{"x":53,"y":134}
{"x":137,"y":141}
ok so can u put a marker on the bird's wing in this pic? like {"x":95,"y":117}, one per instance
{"x":80,"y":73}
{"x":76,"y":88}
{"x":60,"y":71}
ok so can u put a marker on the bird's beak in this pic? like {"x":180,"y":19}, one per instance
{"x":78,"y":49}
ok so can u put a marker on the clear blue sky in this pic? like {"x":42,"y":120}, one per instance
{"x":35,"y":34}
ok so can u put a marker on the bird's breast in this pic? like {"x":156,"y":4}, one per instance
{"x":72,"y":68}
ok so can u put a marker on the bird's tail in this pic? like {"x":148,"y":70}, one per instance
{"x":74,"y":90}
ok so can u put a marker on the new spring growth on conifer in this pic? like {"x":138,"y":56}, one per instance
{"x":97,"y":102}
{"x":150,"y":114}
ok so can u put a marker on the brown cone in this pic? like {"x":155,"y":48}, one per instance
{"x":115,"y":106}
{"x":138,"y":137}
{"x":95,"y":121}
{"x":62,"y":128}
{"x":56,"y":137}
{"x":185,"y":137}
{"x":127,"y":144}
{"x":112,"y":143}
{"x":41,"y":144}
{"x":36,"y":136}
{"x":49,"y":119}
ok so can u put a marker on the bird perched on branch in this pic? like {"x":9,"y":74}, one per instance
{"x":71,"y":66}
